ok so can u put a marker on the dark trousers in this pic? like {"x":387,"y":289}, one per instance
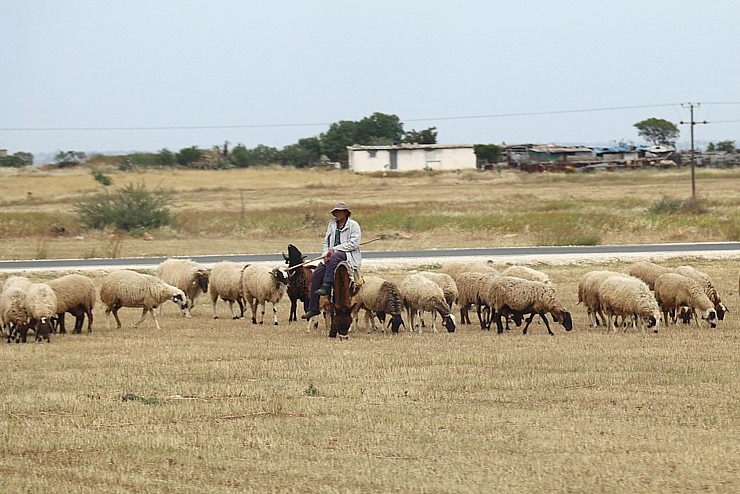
{"x":324,"y":273}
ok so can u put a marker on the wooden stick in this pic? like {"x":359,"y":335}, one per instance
{"x":321,"y":257}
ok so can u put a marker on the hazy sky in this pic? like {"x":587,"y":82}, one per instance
{"x":272,"y":72}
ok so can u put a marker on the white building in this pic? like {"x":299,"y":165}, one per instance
{"x":404,"y":157}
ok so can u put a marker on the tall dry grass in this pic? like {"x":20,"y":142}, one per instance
{"x":226,"y":406}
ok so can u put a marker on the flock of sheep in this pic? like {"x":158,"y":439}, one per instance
{"x":641,"y":298}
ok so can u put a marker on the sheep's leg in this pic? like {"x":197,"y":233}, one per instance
{"x":293,"y":309}
{"x":499,"y":322}
{"x":118,"y":320}
{"x":143,"y":315}
{"x":483,"y":318}
{"x":274,"y":313}
{"x":529,"y":320}
{"x":434,"y":321}
{"x":464,"y":317}
{"x":89,"y":314}
{"x":154,"y":316}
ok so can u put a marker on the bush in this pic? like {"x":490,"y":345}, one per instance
{"x":131,"y":208}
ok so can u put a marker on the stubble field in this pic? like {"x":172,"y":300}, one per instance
{"x":227,"y":406}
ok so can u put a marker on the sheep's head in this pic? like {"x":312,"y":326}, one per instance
{"x":653,"y":322}
{"x":721,"y":310}
{"x":201,"y":280}
{"x":181,"y":300}
{"x":449,"y":322}
{"x":42,"y":328}
{"x":396,"y":322}
{"x":711,"y":317}
{"x":280,"y":275}
{"x":294,"y":256}
{"x":566,"y":320}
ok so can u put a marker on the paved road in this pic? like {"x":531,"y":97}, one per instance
{"x":687,"y":249}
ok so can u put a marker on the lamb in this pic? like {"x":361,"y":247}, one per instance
{"x":706,"y":283}
{"x":41,"y":305}
{"x":526,"y":273}
{"x":588,"y":294}
{"x":420,"y":294}
{"x":628,"y":296}
{"x":647,"y":272}
{"x":13,"y":308}
{"x":226,"y":282}
{"x":517,"y":296}
{"x":188,"y":276}
{"x":125,"y":288}
{"x":673,"y":290}
{"x":262,"y":284}
{"x":299,"y":281}
{"x":76,"y":295}
{"x":470,"y":286}
{"x":379,"y":296}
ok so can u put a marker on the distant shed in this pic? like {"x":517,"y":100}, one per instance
{"x":404,"y":157}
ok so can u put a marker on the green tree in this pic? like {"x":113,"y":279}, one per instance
{"x":710,"y":147}
{"x":487,"y":153}
{"x":377,"y":129}
{"x":303,"y":154}
{"x":426,"y":136}
{"x":165,"y":158}
{"x":726,"y":146}
{"x":340,"y":135}
{"x":65,"y":159}
{"x":380,"y":126}
{"x":16,"y":161}
{"x":187,"y":157}
{"x":131,"y":208}
{"x":658,"y":131}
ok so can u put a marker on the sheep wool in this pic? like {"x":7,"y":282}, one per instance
{"x":13,"y":309}
{"x":526,"y":273}
{"x":470,"y":286}
{"x":262,"y":284}
{"x":706,"y":283}
{"x":188,"y":276}
{"x":41,"y":304}
{"x":588,"y":294}
{"x":226,"y":283}
{"x":628,"y":297}
{"x":421,"y":294}
{"x":380,"y":296}
{"x":647,"y":272}
{"x":125,"y":288}
{"x":76,"y":295}
{"x":446,"y":283}
{"x":673,"y":290}
{"x":456,"y":268}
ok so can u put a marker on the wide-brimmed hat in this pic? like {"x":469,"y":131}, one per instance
{"x":341,"y":206}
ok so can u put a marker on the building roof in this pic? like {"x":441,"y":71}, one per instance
{"x":357,"y":147}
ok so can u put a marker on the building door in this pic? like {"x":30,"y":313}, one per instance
{"x":393,"y":156}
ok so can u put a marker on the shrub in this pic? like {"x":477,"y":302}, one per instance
{"x":131,"y":208}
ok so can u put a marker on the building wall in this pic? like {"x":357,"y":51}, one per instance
{"x":446,"y":158}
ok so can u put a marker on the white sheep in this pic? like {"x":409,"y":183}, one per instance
{"x":226,"y":282}
{"x":709,"y":288}
{"x":446,"y":283}
{"x":526,"y":273}
{"x":76,"y":295}
{"x":41,"y":305}
{"x":125,"y":288}
{"x":379,"y":296}
{"x":421,"y":294}
{"x":647,"y":272}
{"x":13,"y":308}
{"x":470,"y":286}
{"x":456,"y":268}
{"x":628,"y":297}
{"x":510,"y":295}
{"x":588,"y":294}
{"x":188,"y":276}
{"x":673,"y":290}
{"x":262,"y":284}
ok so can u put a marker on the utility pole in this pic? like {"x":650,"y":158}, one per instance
{"x":691,"y":107}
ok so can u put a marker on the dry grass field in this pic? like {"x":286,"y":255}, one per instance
{"x":222,"y":405}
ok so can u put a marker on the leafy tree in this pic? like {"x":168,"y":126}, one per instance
{"x":13,"y":161}
{"x":380,"y":126}
{"x":65,"y":159}
{"x":710,"y":147}
{"x":305,"y":153}
{"x":165,"y":158}
{"x":340,"y":135}
{"x":489,"y":153}
{"x":426,"y":136}
{"x":377,"y":129}
{"x":187,"y":157}
{"x":726,"y":146}
{"x":658,"y":131}
{"x":131,"y":208}
{"x":26,"y":157}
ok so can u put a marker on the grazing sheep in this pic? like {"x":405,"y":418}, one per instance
{"x":419,"y":294}
{"x":706,"y":283}
{"x":446,"y":283}
{"x":470,"y":286}
{"x":124,"y":288}
{"x":526,"y":273}
{"x":381,"y":297}
{"x":456,"y":268}
{"x":517,"y":296}
{"x":226,"y":282}
{"x":76,"y":295}
{"x":628,"y":297}
{"x":188,"y":276}
{"x":13,"y":308}
{"x":262,"y":284}
{"x":588,"y":294}
{"x":647,"y":272}
{"x":299,"y":281}
{"x":41,"y":305}
{"x":673,"y":290}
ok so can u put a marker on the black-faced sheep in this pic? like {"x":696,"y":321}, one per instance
{"x":381,"y":297}
{"x":299,"y":281}
{"x":647,"y":272}
{"x":457,"y":268}
{"x":526,"y":273}
{"x":706,"y":283}
{"x":421,"y":294}
{"x":188,"y":276}
{"x":124,"y":288}
{"x":673,"y":290}
{"x":13,"y":308}
{"x":516,"y":296}
{"x":262,"y":284}
{"x":226,"y":282}
{"x":41,"y":305}
{"x":470,"y":286}
{"x":76,"y":295}
{"x":628,"y":297}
